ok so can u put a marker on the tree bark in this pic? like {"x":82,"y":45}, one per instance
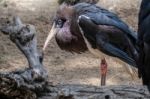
{"x":23,"y":84}
{"x":32,"y":83}
{"x":93,"y":92}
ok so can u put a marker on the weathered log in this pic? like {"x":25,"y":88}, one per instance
{"x":23,"y":84}
{"x":93,"y":92}
{"x":32,"y":83}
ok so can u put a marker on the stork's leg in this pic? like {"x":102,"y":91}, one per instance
{"x":103,"y":68}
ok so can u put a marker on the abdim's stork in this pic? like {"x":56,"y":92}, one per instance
{"x":87,"y":26}
{"x":144,"y":41}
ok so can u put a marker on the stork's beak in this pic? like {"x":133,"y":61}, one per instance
{"x":50,"y":36}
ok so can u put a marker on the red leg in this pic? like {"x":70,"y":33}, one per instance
{"x":103,"y":69}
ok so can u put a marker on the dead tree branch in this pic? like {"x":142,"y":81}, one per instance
{"x":91,"y":92}
{"x":31,"y":80}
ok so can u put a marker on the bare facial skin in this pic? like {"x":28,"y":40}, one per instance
{"x":66,"y":31}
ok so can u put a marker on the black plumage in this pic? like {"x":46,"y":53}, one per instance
{"x":144,"y":42}
{"x":106,"y":32}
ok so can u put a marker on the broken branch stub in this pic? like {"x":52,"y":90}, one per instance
{"x":33,"y":78}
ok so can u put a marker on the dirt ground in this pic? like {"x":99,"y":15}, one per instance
{"x":63,"y":67}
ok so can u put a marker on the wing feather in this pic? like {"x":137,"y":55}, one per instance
{"x":100,"y":40}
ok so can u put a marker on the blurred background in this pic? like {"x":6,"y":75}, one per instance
{"x":64,"y":67}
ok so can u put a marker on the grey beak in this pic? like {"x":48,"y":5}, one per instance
{"x":50,"y":36}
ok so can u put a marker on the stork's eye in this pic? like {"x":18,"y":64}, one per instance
{"x":60,"y":23}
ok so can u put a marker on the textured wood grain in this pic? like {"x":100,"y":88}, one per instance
{"x":23,"y":84}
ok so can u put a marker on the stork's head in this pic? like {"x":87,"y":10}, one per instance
{"x":66,"y":31}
